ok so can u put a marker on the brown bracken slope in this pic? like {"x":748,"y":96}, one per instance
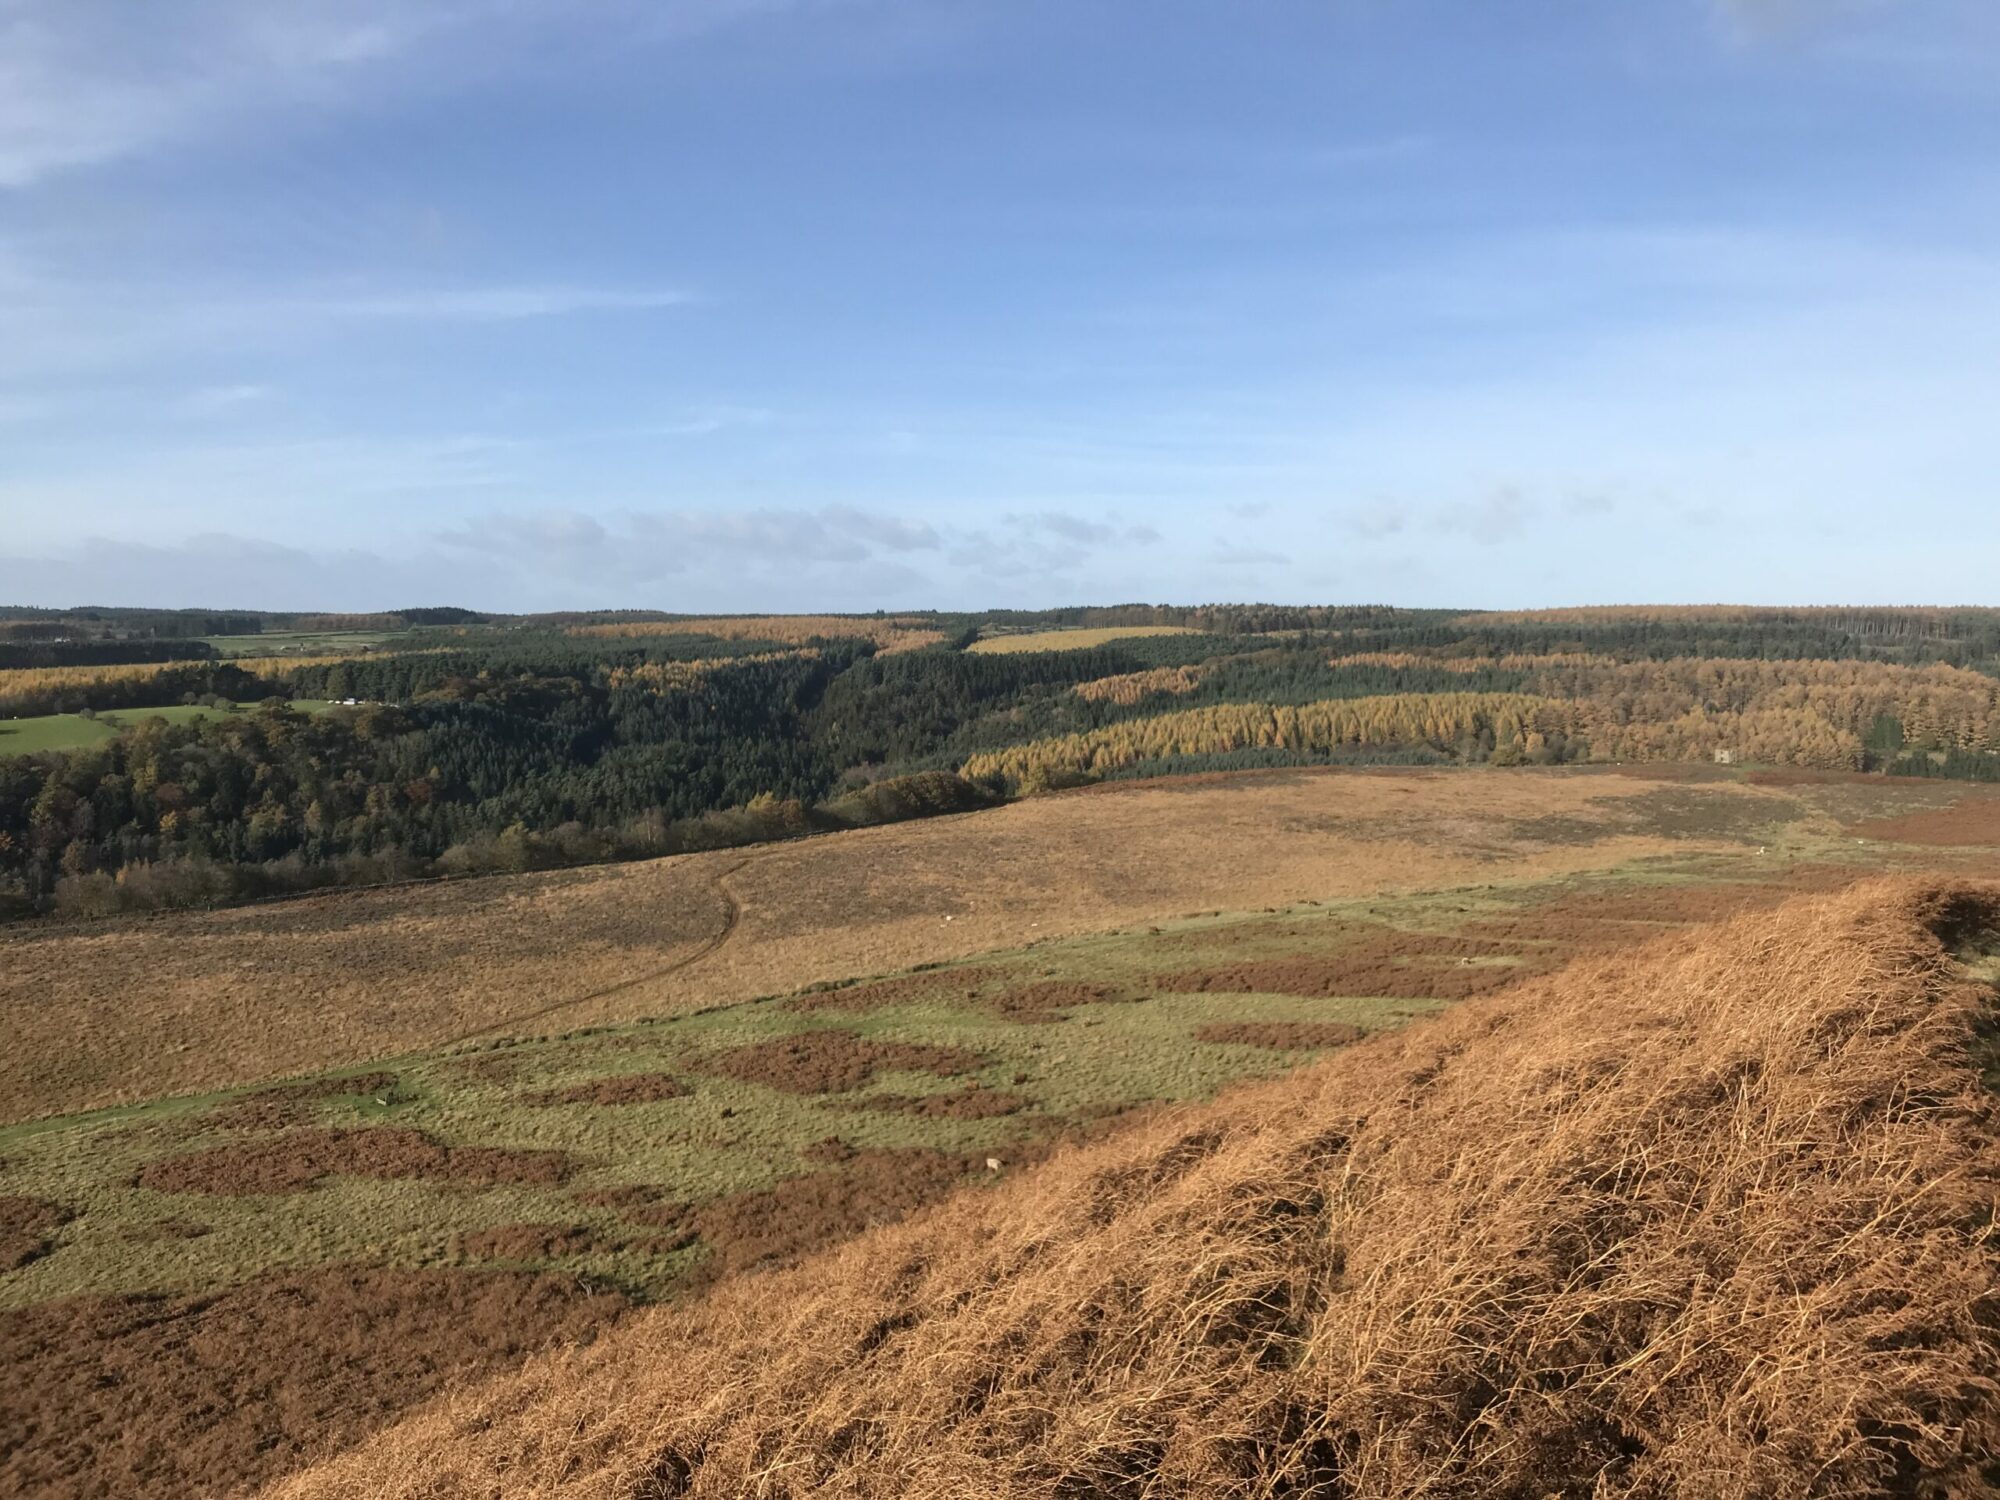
{"x":1711,"y":1220}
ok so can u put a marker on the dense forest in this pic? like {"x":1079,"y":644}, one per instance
{"x":437,"y":742}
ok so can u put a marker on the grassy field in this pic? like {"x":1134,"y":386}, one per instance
{"x":1072,"y":640}
{"x":935,"y":1068}
{"x":1042,"y":1043}
{"x":68,"y":731}
{"x":265,"y":992}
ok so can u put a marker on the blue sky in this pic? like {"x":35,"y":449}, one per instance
{"x":838,"y":304}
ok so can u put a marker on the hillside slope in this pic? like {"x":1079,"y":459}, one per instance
{"x":1708,"y":1220}
{"x":130,"y":1009}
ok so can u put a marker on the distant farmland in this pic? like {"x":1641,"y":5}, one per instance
{"x":1073,"y":640}
{"x":71,"y":731}
{"x":317,"y":644}
{"x":889,"y":634}
{"x":684,"y":734}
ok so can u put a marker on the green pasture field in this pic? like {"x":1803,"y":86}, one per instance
{"x":69,"y":731}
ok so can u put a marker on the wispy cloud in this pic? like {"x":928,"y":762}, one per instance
{"x":86,"y":82}
{"x":1502,"y":516}
{"x":1045,"y":544}
{"x":470,"y":304}
{"x":1373,"y":522}
{"x":302,"y":486}
{"x":704,"y":420}
{"x":555,"y":558}
{"x":1343,"y":155}
{"x":52,"y":324}
{"x":639,"y":545}
{"x":89,"y":81}
{"x":214,"y":400}
{"x":1505,"y":513}
{"x":1227,"y":554}
{"x":224,"y":570}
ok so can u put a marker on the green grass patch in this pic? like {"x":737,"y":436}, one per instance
{"x":720,"y":1134}
{"x":72,"y":731}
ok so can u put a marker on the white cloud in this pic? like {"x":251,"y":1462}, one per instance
{"x":86,"y":82}
{"x":1226,"y":554}
{"x":1045,"y":545}
{"x":1502,"y":516}
{"x":1506,"y":513}
{"x":638,"y":546}
{"x":1373,"y":522}
{"x":1072,"y":529}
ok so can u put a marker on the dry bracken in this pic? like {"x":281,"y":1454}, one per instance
{"x":1710,"y":1220}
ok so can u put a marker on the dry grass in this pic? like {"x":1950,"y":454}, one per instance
{"x":1072,"y":640}
{"x":130,"y":1009}
{"x":1973,"y":821}
{"x":888,"y":633}
{"x":1713,"y":1221}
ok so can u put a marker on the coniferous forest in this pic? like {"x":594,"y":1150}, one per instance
{"x":361,"y":749}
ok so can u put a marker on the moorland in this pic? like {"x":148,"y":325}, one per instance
{"x":1055,"y":1087}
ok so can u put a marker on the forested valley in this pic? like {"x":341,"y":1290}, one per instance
{"x":440,"y":742}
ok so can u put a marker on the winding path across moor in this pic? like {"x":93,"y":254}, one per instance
{"x":128,"y":1010}
{"x":732,"y":917}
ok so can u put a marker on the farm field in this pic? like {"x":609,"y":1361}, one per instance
{"x":889,"y":633}
{"x":1071,"y":639}
{"x":69,"y":731}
